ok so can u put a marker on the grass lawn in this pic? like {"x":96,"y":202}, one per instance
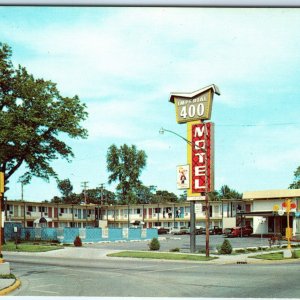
{"x":160,"y":255}
{"x":275,"y":256}
{"x":29,"y":247}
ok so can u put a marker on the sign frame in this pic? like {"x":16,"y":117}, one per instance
{"x":183,"y":177}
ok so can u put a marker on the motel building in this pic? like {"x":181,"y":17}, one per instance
{"x":255,"y":209}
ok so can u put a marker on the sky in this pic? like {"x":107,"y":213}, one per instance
{"x":123,"y":63}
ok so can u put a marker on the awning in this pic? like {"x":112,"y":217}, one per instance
{"x":265,"y":214}
{"x":37,"y":221}
{"x":137,"y":222}
{"x":257,"y":213}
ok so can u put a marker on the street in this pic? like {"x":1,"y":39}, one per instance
{"x":147,"y":278}
{"x":119,"y":277}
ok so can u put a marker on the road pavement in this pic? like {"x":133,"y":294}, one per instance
{"x":66,"y":273}
{"x":92,"y":259}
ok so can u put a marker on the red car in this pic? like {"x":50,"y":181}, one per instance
{"x":239,"y":231}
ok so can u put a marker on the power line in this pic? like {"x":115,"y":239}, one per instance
{"x":256,"y":125}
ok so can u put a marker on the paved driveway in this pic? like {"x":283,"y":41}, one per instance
{"x":169,"y":241}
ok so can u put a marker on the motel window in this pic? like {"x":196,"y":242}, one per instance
{"x":43,"y":209}
{"x":157,"y":210}
{"x":31,"y":208}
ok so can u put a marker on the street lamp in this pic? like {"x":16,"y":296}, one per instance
{"x":192,"y":212}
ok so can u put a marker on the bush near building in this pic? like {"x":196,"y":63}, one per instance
{"x":226,"y":247}
{"x":154,"y":244}
{"x":77,"y":241}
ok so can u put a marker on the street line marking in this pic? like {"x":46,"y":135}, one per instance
{"x":43,"y":291}
{"x":50,"y":284}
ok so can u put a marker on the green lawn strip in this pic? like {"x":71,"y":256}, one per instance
{"x":160,"y":255}
{"x":275,"y":256}
{"x":29,"y":247}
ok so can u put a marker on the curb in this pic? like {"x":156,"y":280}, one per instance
{"x":11,"y":288}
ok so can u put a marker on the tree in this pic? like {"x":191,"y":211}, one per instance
{"x":296,"y":182}
{"x":227,"y":193}
{"x":143,"y":194}
{"x":165,"y":197}
{"x":33,"y":119}
{"x":125,"y":165}
{"x":98,"y":194}
{"x":65,"y":187}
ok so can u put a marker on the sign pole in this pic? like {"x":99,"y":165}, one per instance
{"x":192,"y":227}
{"x":2,"y":184}
{"x":191,"y":108}
{"x":288,"y":231}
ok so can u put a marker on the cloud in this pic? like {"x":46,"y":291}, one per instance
{"x":158,"y":46}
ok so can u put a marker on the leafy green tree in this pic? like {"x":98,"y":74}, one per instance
{"x":56,"y":199}
{"x":213,"y":196}
{"x":227,"y":193}
{"x":125,"y":165}
{"x":163,"y":196}
{"x":143,"y":194}
{"x":183,"y":196}
{"x":34,"y":116}
{"x":97,"y":195}
{"x":65,"y":187}
{"x":296,"y":182}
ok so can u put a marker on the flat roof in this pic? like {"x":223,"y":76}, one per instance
{"x":272,"y":194}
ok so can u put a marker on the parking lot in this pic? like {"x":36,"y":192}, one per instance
{"x":170,"y":241}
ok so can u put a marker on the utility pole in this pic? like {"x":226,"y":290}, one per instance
{"x":85,"y":186}
{"x":2,"y":186}
{"x":101,"y":199}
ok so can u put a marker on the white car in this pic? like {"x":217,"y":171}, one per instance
{"x":180,"y":230}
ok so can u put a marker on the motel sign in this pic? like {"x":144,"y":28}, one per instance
{"x":195,"y":108}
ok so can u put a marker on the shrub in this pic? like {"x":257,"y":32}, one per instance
{"x":242,"y":250}
{"x":154,"y":244}
{"x":252,"y":249}
{"x":263,"y":248}
{"x":77,"y":241}
{"x":175,"y":250}
{"x":226,"y":247}
{"x":27,"y":236}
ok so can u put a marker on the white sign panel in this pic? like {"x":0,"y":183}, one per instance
{"x":195,"y":198}
{"x":183,"y":174}
{"x":105,"y":233}
{"x":198,"y":208}
{"x":125,"y":233}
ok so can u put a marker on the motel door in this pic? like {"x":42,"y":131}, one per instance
{"x":150,"y":213}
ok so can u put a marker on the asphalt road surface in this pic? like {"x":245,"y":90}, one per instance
{"x":119,"y":277}
{"x":169,"y":241}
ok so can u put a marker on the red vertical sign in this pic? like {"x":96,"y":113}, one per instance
{"x":202,"y":158}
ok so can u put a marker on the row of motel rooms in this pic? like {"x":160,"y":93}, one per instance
{"x":226,"y":213}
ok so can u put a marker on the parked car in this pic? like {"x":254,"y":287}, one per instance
{"x":215,"y":230}
{"x":180,"y":230}
{"x":162,"y":230}
{"x":227,"y":231}
{"x":200,"y":230}
{"x":238,"y":231}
